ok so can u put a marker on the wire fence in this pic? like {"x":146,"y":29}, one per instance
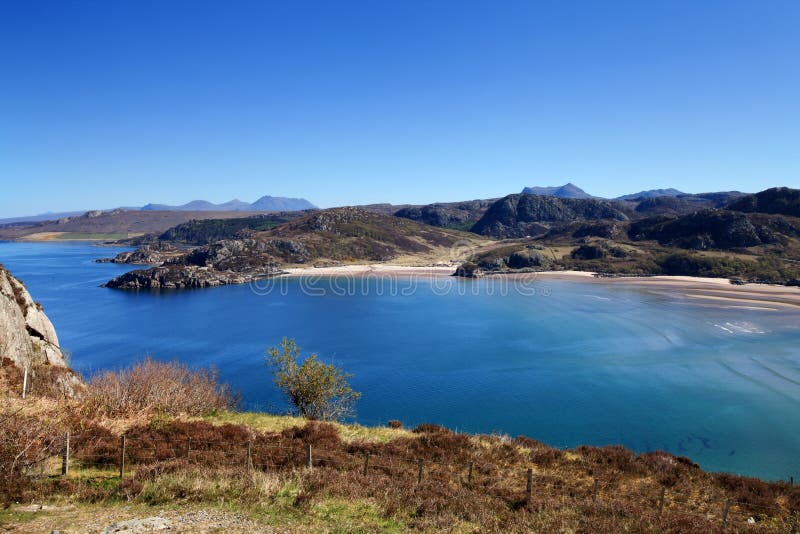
{"x":122,"y":456}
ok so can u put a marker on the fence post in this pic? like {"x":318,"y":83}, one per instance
{"x":366,"y":464}
{"x":249,"y":461}
{"x":469,"y":475}
{"x":594,"y":491}
{"x":661,"y":500}
{"x":122,"y":457}
{"x":65,"y":459}
{"x":188,"y":448}
{"x":791,"y":481}
{"x":529,"y":486}
{"x":419,"y":471}
{"x":725,"y":513}
{"x":309,"y":462}
{"x":25,"y":382}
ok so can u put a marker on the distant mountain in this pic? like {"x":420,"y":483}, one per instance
{"x":49,"y":216}
{"x":265,"y":203}
{"x":268,"y":203}
{"x":652,"y":193}
{"x":563,"y":191}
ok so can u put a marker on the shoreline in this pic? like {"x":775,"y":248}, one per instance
{"x":717,"y":292}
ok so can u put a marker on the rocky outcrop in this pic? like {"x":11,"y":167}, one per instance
{"x":27,"y":336}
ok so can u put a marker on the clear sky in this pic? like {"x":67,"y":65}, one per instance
{"x":120,"y":103}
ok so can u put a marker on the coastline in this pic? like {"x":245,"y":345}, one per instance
{"x":717,"y":292}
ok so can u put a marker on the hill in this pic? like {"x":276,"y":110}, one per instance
{"x":780,"y":200}
{"x":714,"y":229}
{"x":457,"y":215}
{"x":522,"y":215}
{"x":568,"y":190}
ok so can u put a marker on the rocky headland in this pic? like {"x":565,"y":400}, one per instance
{"x":330,"y":237}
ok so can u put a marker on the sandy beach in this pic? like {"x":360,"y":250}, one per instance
{"x":378,"y":269}
{"x":718,"y":292}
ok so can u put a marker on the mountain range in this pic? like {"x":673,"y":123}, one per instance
{"x":265,"y":203}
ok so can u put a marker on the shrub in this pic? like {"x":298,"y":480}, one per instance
{"x":315,"y":389}
{"x":394,"y":423}
{"x":151,"y":386}
{"x":25,"y":443}
{"x":429,"y":428}
{"x":615,"y":457}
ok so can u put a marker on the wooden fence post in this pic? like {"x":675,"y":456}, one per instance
{"x":366,"y":464}
{"x":594,"y":491}
{"x":122,"y":457}
{"x":419,"y":471}
{"x":249,"y":461}
{"x":725,"y":514}
{"x":65,"y":459}
{"x":188,"y":448}
{"x":309,"y":462}
{"x":529,"y":486}
{"x":791,"y":481}
{"x":661,"y":500}
{"x":469,"y":475}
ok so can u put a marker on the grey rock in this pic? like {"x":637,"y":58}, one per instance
{"x":27,"y":336}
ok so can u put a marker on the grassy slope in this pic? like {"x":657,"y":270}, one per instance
{"x":338,"y":498}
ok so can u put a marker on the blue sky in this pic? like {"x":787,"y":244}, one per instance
{"x":122,"y":103}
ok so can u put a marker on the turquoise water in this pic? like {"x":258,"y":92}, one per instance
{"x":565,"y":362}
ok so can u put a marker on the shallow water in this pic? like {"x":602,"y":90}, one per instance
{"x":565,"y":362}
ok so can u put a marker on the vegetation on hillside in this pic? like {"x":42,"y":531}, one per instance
{"x":203,"y":232}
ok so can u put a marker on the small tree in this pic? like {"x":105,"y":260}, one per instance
{"x":316,"y":390}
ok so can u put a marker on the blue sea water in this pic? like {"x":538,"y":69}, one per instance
{"x":564,"y":362}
